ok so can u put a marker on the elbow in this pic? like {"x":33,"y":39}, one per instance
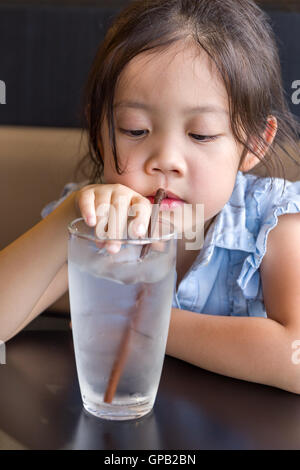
{"x":286,"y":373}
{"x":294,"y":386}
{"x":295,"y":363}
{"x":295,"y":380}
{"x":286,"y":362}
{"x":287,"y":383}
{"x":293,"y":368}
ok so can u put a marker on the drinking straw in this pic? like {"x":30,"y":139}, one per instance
{"x":159,"y":196}
{"x":134,"y":314}
{"x":122,"y":352}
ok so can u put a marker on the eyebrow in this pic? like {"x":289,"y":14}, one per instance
{"x":189,"y":110}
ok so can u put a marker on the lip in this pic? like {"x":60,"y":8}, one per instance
{"x":168,"y":203}
{"x":170,"y":195}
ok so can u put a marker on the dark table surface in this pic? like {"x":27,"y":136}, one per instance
{"x":40,"y":406}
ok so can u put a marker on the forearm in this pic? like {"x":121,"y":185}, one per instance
{"x":28,"y":265}
{"x":248,"y":348}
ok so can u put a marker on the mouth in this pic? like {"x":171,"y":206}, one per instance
{"x":169,"y":196}
{"x":171,"y":201}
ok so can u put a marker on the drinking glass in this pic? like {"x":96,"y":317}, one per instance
{"x":120,"y":310}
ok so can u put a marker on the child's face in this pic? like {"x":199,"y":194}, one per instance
{"x":170,"y":150}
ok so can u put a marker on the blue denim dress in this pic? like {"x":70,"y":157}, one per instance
{"x":225,"y":277}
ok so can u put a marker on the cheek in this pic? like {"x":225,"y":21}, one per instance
{"x":218,"y":194}
{"x":110,"y":174}
{"x":130,"y":166}
{"x":213,"y":184}
{"x":128,"y":178}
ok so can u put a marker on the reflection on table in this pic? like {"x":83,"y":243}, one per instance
{"x":40,"y":406}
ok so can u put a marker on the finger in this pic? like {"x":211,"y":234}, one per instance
{"x":141,"y":210}
{"x":118,"y":216}
{"x":158,"y":246}
{"x":99,"y":245}
{"x":86,"y":204}
{"x":102,"y":204}
{"x":113,"y":247}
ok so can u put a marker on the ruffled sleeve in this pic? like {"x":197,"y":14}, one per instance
{"x":68,"y":189}
{"x":269,"y":206}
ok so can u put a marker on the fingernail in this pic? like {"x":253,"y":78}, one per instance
{"x":140,"y":229}
{"x":113,"y":248}
{"x":91,"y":220}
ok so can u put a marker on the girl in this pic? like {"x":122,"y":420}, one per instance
{"x":187,"y":95}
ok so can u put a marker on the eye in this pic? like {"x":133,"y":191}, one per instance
{"x":204,"y":138}
{"x":133,"y":133}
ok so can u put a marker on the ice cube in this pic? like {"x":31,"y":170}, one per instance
{"x":127,"y":254}
{"x":154,"y":268}
{"x":126,"y":267}
{"x":109,"y":266}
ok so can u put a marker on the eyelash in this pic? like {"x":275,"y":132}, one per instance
{"x":206,"y":138}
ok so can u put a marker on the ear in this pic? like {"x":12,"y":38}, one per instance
{"x":268,"y":136}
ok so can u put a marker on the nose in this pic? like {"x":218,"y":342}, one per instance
{"x":168,"y":160}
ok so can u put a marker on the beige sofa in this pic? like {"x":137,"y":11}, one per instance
{"x":35,"y":164}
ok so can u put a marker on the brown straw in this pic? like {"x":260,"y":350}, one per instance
{"x":134,"y":314}
{"x":159,"y":196}
{"x":122,"y":352}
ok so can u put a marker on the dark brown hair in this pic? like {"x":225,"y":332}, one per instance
{"x":238,"y":38}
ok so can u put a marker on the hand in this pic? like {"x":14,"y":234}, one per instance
{"x":109,"y":205}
